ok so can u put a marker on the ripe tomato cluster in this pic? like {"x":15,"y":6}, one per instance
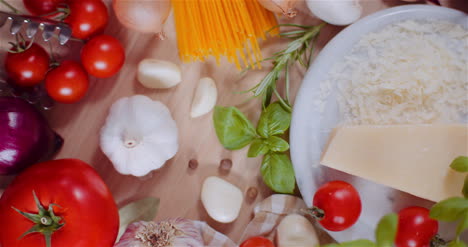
{"x":28,"y":64}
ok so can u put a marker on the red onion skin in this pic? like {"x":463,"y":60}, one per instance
{"x":25,"y":136}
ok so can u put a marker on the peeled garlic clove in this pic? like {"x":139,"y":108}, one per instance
{"x":154,"y":73}
{"x":221,"y":199}
{"x":336,"y":12}
{"x":205,"y":97}
{"x":296,"y":231}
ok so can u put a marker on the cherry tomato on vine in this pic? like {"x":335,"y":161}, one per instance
{"x":67,"y":83}
{"x":74,"y":192}
{"x":27,"y":66}
{"x":87,"y":17}
{"x":415,"y":228}
{"x":42,"y":7}
{"x":257,"y":242}
{"x":103,"y":56}
{"x":340,"y":204}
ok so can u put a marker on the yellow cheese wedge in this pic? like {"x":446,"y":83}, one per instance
{"x":410,"y":158}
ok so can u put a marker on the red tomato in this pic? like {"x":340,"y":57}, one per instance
{"x":340,"y":203}
{"x":79,"y":197}
{"x":415,"y":228}
{"x":42,"y":7}
{"x":103,"y":56}
{"x":68,"y":83}
{"x":257,"y":242}
{"x":29,"y":67}
{"x":87,"y":17}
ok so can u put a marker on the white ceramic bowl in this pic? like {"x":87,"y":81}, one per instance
{"x":310,"y":128}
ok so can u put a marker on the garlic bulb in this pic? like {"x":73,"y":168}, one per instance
{"x":139,"y":135}
{"x":171,"y":232}
{"x":336,"y":12}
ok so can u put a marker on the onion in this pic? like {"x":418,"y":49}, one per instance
{"x":25,"y":136}
{"x":143,"y":16}
{"x":285,"y":7}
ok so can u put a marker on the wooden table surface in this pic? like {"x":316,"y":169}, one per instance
{"x":175,"y":184}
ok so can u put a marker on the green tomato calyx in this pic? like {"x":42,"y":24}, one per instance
{"x":45,"y":221}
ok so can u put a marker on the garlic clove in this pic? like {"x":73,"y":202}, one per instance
{"x":221,"y":199}
{"x":296,"y":231}
{"x":154,"y":73}
{"x":205,"y":97}
{"x":336,"y":12}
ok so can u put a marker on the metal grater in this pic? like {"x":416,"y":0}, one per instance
{"x":33,"y":24}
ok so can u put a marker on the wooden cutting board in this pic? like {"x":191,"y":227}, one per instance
{"x":175,"y":184}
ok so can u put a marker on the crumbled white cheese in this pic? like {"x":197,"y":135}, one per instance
{"x":407,"y":73}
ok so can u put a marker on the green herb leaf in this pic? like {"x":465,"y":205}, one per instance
{"x":277,"y":144}
{"x":460,"y":164}
{"x":278,"y":173}
{"x":355,"y":243}
{"x":465,"y":187}
{"x":457,"y":243}
{"x":258,"y":147}
{"x":385,"y":233}
{"x":450,"y":209}
{"x":463,"y":224}
{"x":275,"y":120}
{"x":141,"y":210}
{"x":233,"y":129}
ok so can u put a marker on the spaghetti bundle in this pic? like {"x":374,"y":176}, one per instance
{"x":221,"y":28}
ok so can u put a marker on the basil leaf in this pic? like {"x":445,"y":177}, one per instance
{"x":233,"y":129}
{"x":355,"y":243}
{"x":463,"y":224}
{"x":450,"y":209}
{"x":277,"y":144}
{"x":258,"y":147}
{"x":275,"y":120}
{"x":465,"y":187}
{"x":460,"y":164}
{"x":141,"y":210}
{"x":457,"y":243}
{"x":385,"y":233}
{"x":278,"y":173}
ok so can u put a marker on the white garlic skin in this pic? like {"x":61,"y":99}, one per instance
{"x":221,"y":199}
{"x":139,"y":135}
{"x":154,"y":73}
{"x":186,"y":234}
{"x":336,"y":12}
{"x":296,"y":231}
{"x":205,"y":97}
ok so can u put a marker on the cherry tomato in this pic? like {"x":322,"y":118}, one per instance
{"x":415,"y":228}
{"x":340,"y":203}
{"x":103,"y":56}
{"x":67,"y":83}
{"x":76,"y":194}
{"x":257,"y":242}
{"x":27,"y":67}
{"x":87,"y":18}
{"x":42,"y":7}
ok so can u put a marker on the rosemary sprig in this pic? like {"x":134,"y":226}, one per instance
{"x":299,"y":50}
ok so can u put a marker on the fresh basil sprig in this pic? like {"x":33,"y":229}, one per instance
{"x":235,"y":131}
{"x":455,"y":209}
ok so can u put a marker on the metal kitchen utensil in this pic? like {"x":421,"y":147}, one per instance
{"x":33,"y":24}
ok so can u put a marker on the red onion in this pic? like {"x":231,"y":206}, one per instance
{"x":25,"y":136}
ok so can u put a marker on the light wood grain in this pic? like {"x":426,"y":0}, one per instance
{"x":175,"y":184}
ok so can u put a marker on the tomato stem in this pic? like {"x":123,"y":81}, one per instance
{"x":314,"y":212}
{"x":45,"y":221}
{"x":437,"y":241}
